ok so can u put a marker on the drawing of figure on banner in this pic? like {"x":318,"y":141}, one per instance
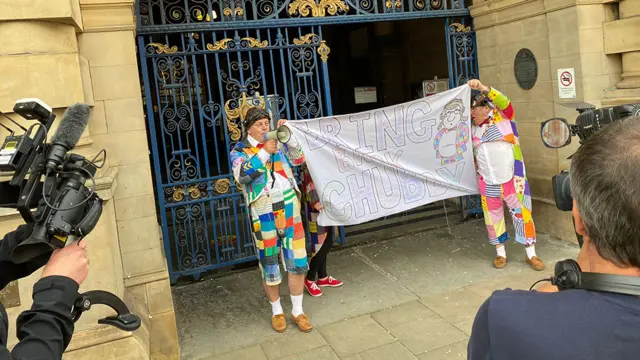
{"x":451,"y":140}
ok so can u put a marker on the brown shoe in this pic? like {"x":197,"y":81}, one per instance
{"x":535,"y":263}
{"x":303,"y":322}
{"x":499,"y":262}
{"x":279,"y":323}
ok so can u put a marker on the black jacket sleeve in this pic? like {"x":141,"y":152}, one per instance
{"x":10,"y":271}
{"x":479,"y":346}
{"x":44,"y":331}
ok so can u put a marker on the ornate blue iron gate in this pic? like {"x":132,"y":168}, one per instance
{"x":463,"y":66}
{"x":203,"y":64}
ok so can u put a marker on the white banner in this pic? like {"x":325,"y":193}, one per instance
{"x":381,"y":162}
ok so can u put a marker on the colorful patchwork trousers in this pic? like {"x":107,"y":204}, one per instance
{"x":278,"y":231}
{"x":519,"y":208}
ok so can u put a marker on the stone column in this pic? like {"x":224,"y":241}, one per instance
{"x":620,"y":39}
{"x":630,"y":20}
{"x":108,"y":43}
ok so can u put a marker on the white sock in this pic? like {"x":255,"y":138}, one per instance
{"x":502,"y":251}
{"x":296,"y":300}
{"x":276,"y":308}
{"x":531,"y":251}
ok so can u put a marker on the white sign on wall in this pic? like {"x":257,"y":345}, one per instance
{"x":366,"y":94}
{"x":432,"y":87}
{"x":381,"y":162}
{"x":566,"y":83}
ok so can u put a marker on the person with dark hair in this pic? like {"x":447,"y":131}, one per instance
{"x":577,"y":323}
{"x":264,"y":170}
{"x":321,"y":239}
{"x":501,"y":173}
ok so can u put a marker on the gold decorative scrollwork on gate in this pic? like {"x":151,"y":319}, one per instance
{"x":324,"y":51}
{"x":320,"y":9}
{"x":229,"y":11}
{"x":162,"y":48}
{"x":219,"y":45}
{"x":239,"y":112}
{"x":460,"y":28}
{"x":224,"y":44}
{"x":398,"y":4}
{"x":388,"y":4}
{"x":305,"y":39}
{"x":222,"y":186}
{"x":178,"y":193}
{"x":253,"y":42}
{"x":200,"y":17}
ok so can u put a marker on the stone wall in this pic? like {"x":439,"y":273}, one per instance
{"x":561,"y":34}
{"x":68,"y":51}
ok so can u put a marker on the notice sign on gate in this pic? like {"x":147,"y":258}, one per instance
{"x":566,"y":83}
{"x":365,"y":95}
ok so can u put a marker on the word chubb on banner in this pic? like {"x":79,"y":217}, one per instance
{"x":374,"y":164}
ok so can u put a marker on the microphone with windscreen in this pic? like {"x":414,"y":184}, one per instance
{"x":73,"y":123}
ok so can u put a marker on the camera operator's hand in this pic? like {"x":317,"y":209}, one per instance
{"x":71,"y":261}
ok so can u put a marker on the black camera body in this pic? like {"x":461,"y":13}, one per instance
{"x":557,"y":133}
{"x":66,"y":209}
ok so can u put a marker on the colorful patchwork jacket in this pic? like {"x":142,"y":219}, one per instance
{"x":250,"y":172}
{"x":502,"y":127}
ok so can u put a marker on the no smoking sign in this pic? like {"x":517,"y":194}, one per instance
{"x":566,"y":84}
{"x":566,"y":78}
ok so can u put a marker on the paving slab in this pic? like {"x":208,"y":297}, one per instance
{"x":395,"y":351}
{"x":466,"y":325}
{"x":427,"y":334}
{"x":402,"y":314}
{"x":454,"y":305}
{"x":365,"y":290}
{"x":355,"y":335}
{"x":321,"y":353}
{"x":249,"y":353}
{"x":456,"y":351}
{"x":219,"y":315}
{"x":293,"y":342}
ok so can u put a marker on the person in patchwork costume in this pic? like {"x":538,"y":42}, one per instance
{"x":501,"y":173}
{"x":264,"y":171}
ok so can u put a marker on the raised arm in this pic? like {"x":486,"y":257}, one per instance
{"x":293,"y":148}
{"x":502,"y":102}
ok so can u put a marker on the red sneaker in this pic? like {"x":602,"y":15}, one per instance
{"x":329,"y":281}
{"x":312,"y":288}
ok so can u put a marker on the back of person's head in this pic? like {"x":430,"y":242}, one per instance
{"x":605,"y":183}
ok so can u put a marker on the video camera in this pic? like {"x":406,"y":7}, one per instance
{"x":66,"y":210}
{"x":557,"y":132}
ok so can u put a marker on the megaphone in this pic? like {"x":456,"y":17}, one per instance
{"x":282,"y":134}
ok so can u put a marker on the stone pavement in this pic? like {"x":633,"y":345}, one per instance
{"x":413,"y":297}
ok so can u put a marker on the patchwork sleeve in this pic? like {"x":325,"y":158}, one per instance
{"x":310,"y":189}
{"x":293,"y":151}
{"x":246,"y":169}
{"x":502,"y":102}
